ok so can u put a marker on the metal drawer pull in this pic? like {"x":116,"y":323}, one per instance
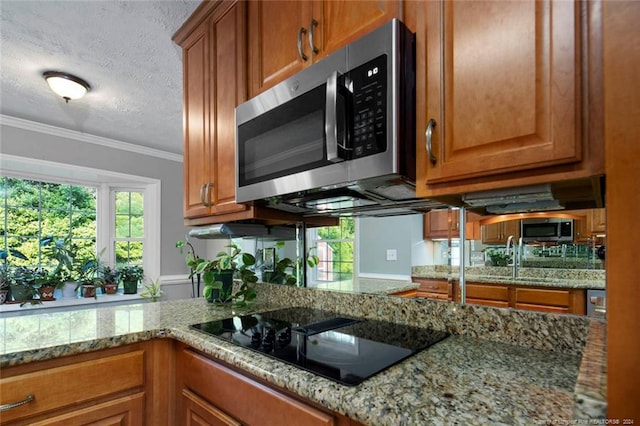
{"x":300,"y":51}
{"x":9,"y":406}
{"x":432,"y":287}
{"x":427,"y":134}
{"x":202,"y":194}
{"x":313,"y":23}
{"x":207,"y":199}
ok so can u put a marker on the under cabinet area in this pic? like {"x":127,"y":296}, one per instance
{"x":288,"y":36}
{"x":210,"y":393}
{"x":505,"y":95}
{"x":120,"y":386}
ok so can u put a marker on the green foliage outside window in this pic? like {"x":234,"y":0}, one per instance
{"x":340,"y":239}
{"x":129,"y":227}
{"x":31,"y":210}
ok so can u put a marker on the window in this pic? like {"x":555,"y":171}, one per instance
{"x":109,"y":213}
{"x":128,"y":240}
{"x":33,"y":209}
{"x":334,"y":247}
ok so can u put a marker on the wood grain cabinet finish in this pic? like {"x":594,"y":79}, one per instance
{"x":503,"y":83}
{"x":498,"y":233}
{"x":275,"y":27}
{"x":127,"y":385}
{"x":213,"y":394}
{"x":434,"y":289}
{"x":214,"y":84}
{"x":436,"y":224}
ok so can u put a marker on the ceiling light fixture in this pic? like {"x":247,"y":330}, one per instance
{"x":66,"y":85}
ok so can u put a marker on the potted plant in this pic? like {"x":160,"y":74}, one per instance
{"x":131,"y":275}
{"x":23,"y":284}
{"x":90,"y":275}
{"x":285,"y":271}
{"x":111,"y":278}
{"x":218,"y":275}
{"x":153,"y":291}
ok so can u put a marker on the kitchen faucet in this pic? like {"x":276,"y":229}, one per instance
{"x":510,"y":243}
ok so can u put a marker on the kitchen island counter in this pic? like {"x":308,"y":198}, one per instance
{"x":463,"y":379}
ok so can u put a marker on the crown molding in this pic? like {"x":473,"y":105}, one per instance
{"x":20,"y":123}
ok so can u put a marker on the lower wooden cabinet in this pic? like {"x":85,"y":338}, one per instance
{"x":106,"y":387}
{"x":213,"y":394}
{"x":556,"y":300}
{"x":434,"y":289}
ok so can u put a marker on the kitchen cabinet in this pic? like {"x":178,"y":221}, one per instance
{"x":505,"y":95}
{"x":498,"y":233}
{"x":73,"y":389}
{"x":436,"y":225}
{"x":214,"y":84}
{"x":213,"y":394}
{"x":597,"y":221}
{"x":556,"y":300}
{"x":287,"y":36}
{"x":434,"y":289}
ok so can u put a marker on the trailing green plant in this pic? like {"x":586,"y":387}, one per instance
{"x":498,"y":258}
{"x":236,"y":262}
{"x":286,"y":271}
{"x":153,"y":290}
{"x":28,"y":279}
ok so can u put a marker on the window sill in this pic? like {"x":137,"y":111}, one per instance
{"x":73,"y":303}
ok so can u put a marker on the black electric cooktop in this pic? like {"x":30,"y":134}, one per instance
{"x":347,"y":350}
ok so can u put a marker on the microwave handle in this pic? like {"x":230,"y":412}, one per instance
{"x":330,"y":124}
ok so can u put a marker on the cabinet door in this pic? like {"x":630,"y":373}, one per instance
{"x":228,"y":91}
{"x":273,"y":31}
{"x":498,"y":233}
{"x":200,"y":413}
{"x":500,"y":79}
{"x":598,"y":220}
{"x":342,"y":21}
{"x":197,"y":151}
{"x":436,"y":224}
{"x":123,"y":411}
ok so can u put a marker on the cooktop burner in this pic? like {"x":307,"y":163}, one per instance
{"x":347,"y":350}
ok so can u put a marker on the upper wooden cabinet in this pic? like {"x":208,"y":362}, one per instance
{"x":287,"y":36}
{"x":506,"y":92}
{"x":214,"y":84}
{"x":499,"y":233}
{"x":436,"y":224}
{"x":597,"y":221}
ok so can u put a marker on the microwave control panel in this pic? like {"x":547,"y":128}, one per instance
{"x":369,"y":107}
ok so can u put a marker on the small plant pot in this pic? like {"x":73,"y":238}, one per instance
{"x":111,"y":288}
{"x":222,"y":295}
{"x":3,"y":296}
{"x":46,"y":293}
{"x":130,"y":287}
{"x":88,"y":291}
{"x":20,"y":293}
{"x":70,"y":290}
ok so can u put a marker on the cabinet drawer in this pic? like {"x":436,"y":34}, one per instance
{"x":65,"y":385}
{"x":487,"y":291}
{"x":242,"y":398}
{"x":542,"y":297}
{"x":433,"y":286}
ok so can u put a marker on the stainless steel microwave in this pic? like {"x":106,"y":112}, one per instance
{"x":557,"y":230}
{"x":337,"y":137}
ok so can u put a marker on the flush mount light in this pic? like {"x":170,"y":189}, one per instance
{"x":66,"y":85}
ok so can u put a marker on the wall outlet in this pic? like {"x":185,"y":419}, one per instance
{"x":392,"y":254}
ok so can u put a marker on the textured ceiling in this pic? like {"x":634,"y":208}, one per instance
{"x":122,"y":48}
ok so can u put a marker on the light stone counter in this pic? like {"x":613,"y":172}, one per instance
{"x":534,"y":277}
{"x":500,"y":366}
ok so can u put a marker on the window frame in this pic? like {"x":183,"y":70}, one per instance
{"x":312,"y":241}
{"x":106,"y":182}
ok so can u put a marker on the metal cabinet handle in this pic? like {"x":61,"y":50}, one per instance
{"x":313,"y":23}
{"x":302,"y":32}
{"x":9,"y":406}
{"x":206,"y":199}
{"x":202,"y":200}
{"x":427,"y":135}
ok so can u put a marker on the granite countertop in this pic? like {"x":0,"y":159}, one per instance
{"x":534,"y":277}
{"x":462,"y":379}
